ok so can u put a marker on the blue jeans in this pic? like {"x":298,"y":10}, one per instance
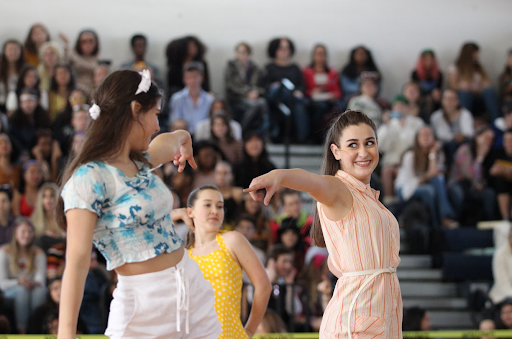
{"x":299,"y":114}
{"x":25,"y":301}
{"x":490,"y":100}
{"x":487,"y":197}
{"x":434,"y":195}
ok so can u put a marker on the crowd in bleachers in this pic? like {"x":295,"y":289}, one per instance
{"x":445,"y":140}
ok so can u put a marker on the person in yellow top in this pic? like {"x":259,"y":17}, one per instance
{"x":221,"y":257}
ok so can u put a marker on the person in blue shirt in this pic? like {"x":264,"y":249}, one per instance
{"x":191,"y":104}
{"x":110,"y":197}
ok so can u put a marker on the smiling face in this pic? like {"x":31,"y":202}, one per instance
{"x":357,"y":152}
{"x":33,"y":175}
{"x":88,"y":43}
{"x":12,"y":52}
{"x":48,"y":200}
{"x":24,"y":234}
{"x":207,"y":211}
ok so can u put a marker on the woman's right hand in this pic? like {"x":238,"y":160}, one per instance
{"x":269,"y":182}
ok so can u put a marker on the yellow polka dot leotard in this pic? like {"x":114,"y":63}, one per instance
{"x":225,"y":275}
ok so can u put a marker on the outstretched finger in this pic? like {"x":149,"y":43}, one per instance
{"x":269,"y":195}
{"x":192,"y":162}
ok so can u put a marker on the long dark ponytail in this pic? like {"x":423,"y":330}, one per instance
{"x":330,"y":165}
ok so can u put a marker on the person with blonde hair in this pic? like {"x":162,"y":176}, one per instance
{"x":23,"y":271}
{"x":50,"y":55}
{"x":44,"y":219}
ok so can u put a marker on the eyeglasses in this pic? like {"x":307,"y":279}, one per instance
{"x":89,"y":41}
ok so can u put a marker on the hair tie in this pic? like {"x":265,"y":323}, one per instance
{"x":94,"y":111}
{"x":145,"y":82}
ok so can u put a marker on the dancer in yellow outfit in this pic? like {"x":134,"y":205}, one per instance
{"x":221,"y":257}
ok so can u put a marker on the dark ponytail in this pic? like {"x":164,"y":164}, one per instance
{"x":330,"y":165}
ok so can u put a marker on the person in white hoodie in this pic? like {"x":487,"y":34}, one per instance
{"x":396,"y":135}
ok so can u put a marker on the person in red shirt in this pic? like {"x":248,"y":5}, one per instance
{"x":322,"y":88}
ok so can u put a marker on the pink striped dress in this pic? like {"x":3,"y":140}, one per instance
{"x":367,"y":238}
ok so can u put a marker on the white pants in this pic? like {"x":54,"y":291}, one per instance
{"x":165,"y":304}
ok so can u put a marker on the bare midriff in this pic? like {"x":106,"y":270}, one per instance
{"x":156,"y":264}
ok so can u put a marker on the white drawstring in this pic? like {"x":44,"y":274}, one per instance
{"x":182,"y":302}
{"x":373,"y":273}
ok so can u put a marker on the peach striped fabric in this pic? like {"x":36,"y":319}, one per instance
{"x":367,"y":238}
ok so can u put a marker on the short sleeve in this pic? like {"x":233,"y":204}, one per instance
{"x":85,"y":189}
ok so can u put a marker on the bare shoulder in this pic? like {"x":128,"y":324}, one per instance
{"x":232,"y":238}
{"x":38,"y":250}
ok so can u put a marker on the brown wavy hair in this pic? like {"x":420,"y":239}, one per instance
{"x":105,"y":136}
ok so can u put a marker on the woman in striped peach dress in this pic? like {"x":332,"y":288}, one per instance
{"x":361,"y":235}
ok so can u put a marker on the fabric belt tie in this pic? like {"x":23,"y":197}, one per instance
{"x":372,"y":274}
{"x":182,"y":302}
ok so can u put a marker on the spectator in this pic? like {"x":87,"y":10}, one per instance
{"x":323,"y":88}
{"x":192,"y":103}
{"x":502,"y":124}
{"x":501,"y":175}
{"x":505,"y":82}
{"x":487,"y":325}
{"x":468,"y":179}
{"x":368,"y":101}
{"x":223,"y":137}
{"x":89,"y":310}
{"x":6,"y":218}
{"x":27,"y":119}
{"x":271,"y":323}
{"x":37,"y":36}
{"x":285,"y":85}
{"x":396,"y":135}
{"x":47,"y":152}
{"x":101,"y":71}
{"x":181,"y":182}
{"x":50,"y":55}
{"x":29,"y":78}
{"x":32,"y":178}
{"x":232,"y":195}
{"x":139,"y":44}
{"x":42,"y":320}
{"x":318,"y":289}
{"x":255,"y":160}
{"x":452,"y":124}
{"x":61,"y":86}
{"x":84,"y":58}
{"x":245,"y":90}
{"x":421,"y":176}
{"x":416,"y":319}
{"x":10,"y":171}
{"x":79,"y":122}
{"x":411,"y":92}
{"x":179,"y":52}
{"x":284,"y":299}
{"x":246,"y":225}
{"x":505,"y":315}
{"x":263,"y":233}
{"x":292,"y":208}
{"x":430,"y":80}
{"x":468,"y":77}
{"x":11,"y":63}
{"x":204,"y":127}
{"x":361,"y":61}
{"x":502,"y":272}
{"x":206,"y":155}
{"x":48,"y":232}
{"x":290,"y":237}
{"x":23,"y":271}
{"x":77,"y":97}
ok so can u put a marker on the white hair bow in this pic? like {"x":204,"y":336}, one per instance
{"x":145,"y":82}
{"x":94,"y":111}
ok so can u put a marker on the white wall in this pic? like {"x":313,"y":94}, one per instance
{"x":395,"y":30}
